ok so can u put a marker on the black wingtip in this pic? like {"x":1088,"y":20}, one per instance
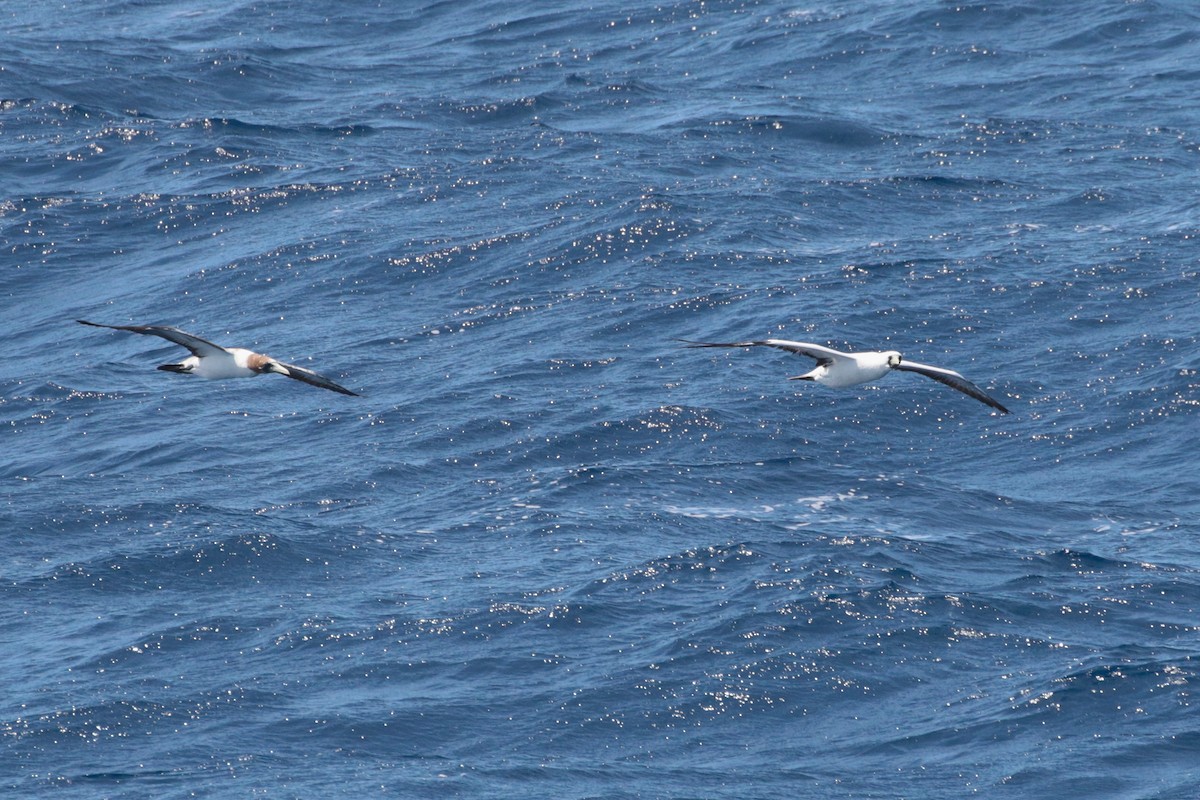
{"x":331,"y":386}
{"x":987,"y":399}
{"x":691,"y":343}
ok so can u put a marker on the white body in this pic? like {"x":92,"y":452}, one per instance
{"x":233,"y":363}
{"x":851,"y":369}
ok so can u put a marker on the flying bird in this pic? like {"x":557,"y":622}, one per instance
{"x":838,"y":370}
{"x":212,"y":361}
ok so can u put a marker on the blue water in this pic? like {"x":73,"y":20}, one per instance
{"x":551,"y":553}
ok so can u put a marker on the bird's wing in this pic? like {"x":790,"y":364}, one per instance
{"x":823,"y":355}
{"x":198,"y":347}
{"x":315,"y":379}
{"x":953,"y":380}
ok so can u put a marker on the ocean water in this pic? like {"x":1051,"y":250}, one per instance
{"x":551,"y":552}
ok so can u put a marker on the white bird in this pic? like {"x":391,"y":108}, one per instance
{"x":212,"y":361}
{"x":838,"y":370}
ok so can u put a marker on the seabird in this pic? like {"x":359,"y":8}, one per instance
{"x":212,"y":361}
{"x":839,"y":369}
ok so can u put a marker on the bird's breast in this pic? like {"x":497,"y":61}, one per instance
{"x":862,"y":368}
{"x":219,"y":366}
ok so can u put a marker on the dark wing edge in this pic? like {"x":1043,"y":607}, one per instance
{"x":822,"y":355}
{"x":197,"y":346}
{"x":954,"y":381}
{"x":691,"y":343}
{"x":315,"y":379}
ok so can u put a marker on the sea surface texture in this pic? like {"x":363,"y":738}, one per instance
{"x":551,"y":552}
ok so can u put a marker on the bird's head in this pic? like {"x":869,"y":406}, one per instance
{"x":265,"y":365}
{"x":893,"y":359}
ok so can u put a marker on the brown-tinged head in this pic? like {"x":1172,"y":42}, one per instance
{"x":264,"y":365}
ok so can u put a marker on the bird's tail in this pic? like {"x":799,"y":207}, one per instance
{"x":175,"y":368}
